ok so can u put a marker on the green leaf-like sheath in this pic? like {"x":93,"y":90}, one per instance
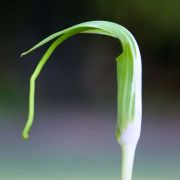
{"x":128,"y":79}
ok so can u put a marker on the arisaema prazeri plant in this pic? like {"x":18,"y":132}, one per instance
{"x":129,"y":100}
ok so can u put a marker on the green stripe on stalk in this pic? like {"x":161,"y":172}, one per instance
{"x":128,"y":80}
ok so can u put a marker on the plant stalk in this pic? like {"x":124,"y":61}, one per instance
{"x":129,"y":79}
{"x":128,"y":153}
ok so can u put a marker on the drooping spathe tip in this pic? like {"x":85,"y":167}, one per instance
{"x":28,"y":51}
{"x":22,"y":54}
{"x":25,"y":136}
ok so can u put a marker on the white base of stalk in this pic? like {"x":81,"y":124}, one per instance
{"x":128,"y":153}
{"x":128,"y":141}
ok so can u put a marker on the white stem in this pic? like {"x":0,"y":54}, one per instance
{"x":128,"y":153}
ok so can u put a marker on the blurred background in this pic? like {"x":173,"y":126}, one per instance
{"x":73,"y":136}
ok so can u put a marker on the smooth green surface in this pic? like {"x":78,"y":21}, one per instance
{"x":128,"y":81}
{"x":127,"y":64}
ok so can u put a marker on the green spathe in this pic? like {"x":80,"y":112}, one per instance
{"x":128,"y":80}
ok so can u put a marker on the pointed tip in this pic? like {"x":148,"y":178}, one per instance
{"x":23,"y":54}
{"x":25,"y":136}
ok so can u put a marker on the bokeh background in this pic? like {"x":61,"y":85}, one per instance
{"x":73,"y":136}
